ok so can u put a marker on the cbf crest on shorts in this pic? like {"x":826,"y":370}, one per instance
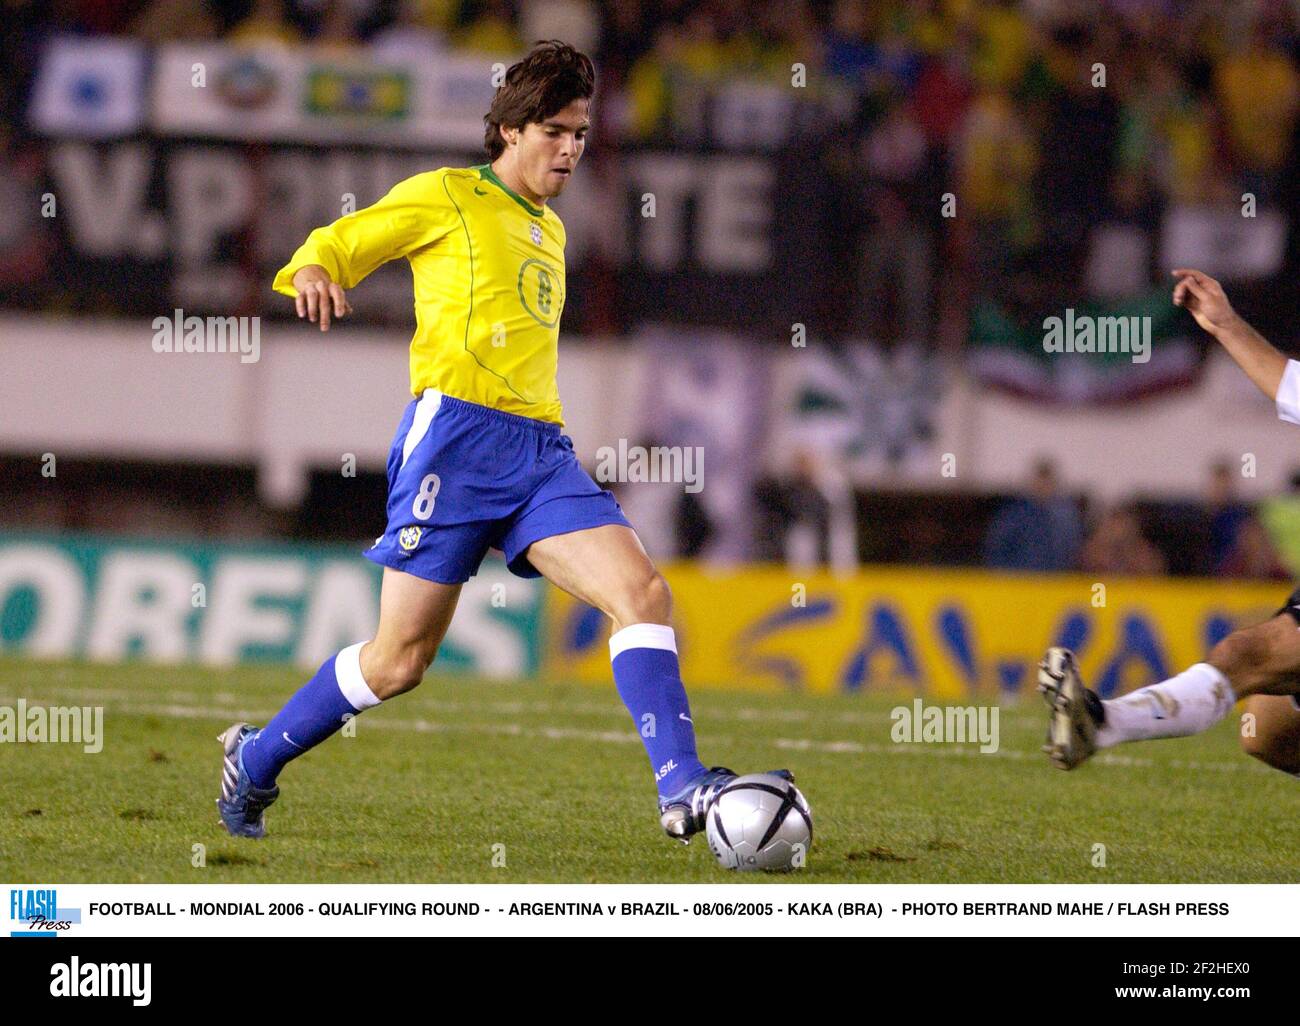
{"x":501,"y":481}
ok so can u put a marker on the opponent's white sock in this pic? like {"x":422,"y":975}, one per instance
{"x":1193,"y":701}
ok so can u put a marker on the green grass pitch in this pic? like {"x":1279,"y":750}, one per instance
{"x":433,"y":781}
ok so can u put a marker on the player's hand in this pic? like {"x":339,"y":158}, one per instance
{"x":1203,"y":298}
{"x":318,"y":296}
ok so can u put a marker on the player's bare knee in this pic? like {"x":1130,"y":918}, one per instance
{"x":395,"y":673}
{"x":650,"y":601}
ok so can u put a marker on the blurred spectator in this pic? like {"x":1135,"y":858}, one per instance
{"x":894,"y":265}
{"x":943,"y":95}
{"x":267,"y":22}
{"x":25,"y":249}
{"x":1227,"y":515}
{"x":1118,"y":546}
{"x":647,"y":85}
{"x":793,"y":505}
{"x":1258,"y":88}
{"x":1078,"y":150}
{"x":1166,"y":134}
{"x":694,"y":527}
{"x":996,"y":156}
{"x":489,"y":28}
{"x":805,"y":518}
{"x":166,"y":21}
{"x":414,"y":35}
{"x":1003,"y":43}
{"x":1280,"y":515}
{"x":574,"y":21}
{"x":1252,"y":555}
{"x":846,"y":46}
{"x":98,"y":17}
{"x":338,"y":30}
{"x":624,"y":36}
{"x":1039,"y":532}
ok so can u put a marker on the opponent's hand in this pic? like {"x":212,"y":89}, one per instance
{"x":1203,"y":298}
{"x":318,"y":296}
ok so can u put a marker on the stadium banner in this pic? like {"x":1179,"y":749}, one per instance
{"x":229,"y":155}
{"x":871,"y":409}
{"x":192,"y":170}
{"x":1224,"y":242}
{"x":275,"y":95}
{"x":706,"y":400}
{"x":950,"y":634}
{"x":223,"y":604}
{"x":90,"y":88}
{"x":1095,"y":351}
{"x":694,"y":237}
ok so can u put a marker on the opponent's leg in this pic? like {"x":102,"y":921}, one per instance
{"x":607,"y":568}
{"x":1274,"y":737}
{"x":413,"y":617}
{"x":1259,"y":660}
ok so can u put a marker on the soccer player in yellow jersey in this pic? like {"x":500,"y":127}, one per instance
{"x":479,"y":460}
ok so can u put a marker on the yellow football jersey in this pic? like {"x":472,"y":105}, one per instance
{"x":488,"y":270}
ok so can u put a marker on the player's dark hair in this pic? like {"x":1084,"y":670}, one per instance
{"x":551,"y":77}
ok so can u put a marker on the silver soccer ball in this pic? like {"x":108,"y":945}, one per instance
{"x":760,"y":821}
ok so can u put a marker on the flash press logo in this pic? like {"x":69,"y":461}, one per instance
{"x":75,"y":978}
{"x":181,"y":334}
{"x":38,"y":909}
{"x":682,"y":464}
{"x":1085,"y":334}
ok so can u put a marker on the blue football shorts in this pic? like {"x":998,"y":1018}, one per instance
{"x":465,"y":478}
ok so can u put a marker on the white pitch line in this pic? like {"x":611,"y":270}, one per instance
{"x":834,"y":747}
{"x":971,"y":750}
{"x":423,"y":699}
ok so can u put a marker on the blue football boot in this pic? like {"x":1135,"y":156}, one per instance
{"x":684,"y":813}
{"x":241,"y":804}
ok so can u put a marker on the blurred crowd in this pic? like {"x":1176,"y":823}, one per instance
{"x":1215,"y":535}
{"x":1041,"y":528}
{"x":1043,"y":118}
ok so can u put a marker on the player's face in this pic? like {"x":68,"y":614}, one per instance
{"x":549,"y":150}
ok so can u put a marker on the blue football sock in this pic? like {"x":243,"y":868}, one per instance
{"x":650,"y":683}
{"x":317,"y":710}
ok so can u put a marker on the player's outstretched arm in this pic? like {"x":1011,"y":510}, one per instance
{"x":319,"y":296}
{"x":1204,"y":299}
{"x":415,"y":213}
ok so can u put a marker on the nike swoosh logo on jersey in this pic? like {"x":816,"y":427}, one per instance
{"x":479,"y":192}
